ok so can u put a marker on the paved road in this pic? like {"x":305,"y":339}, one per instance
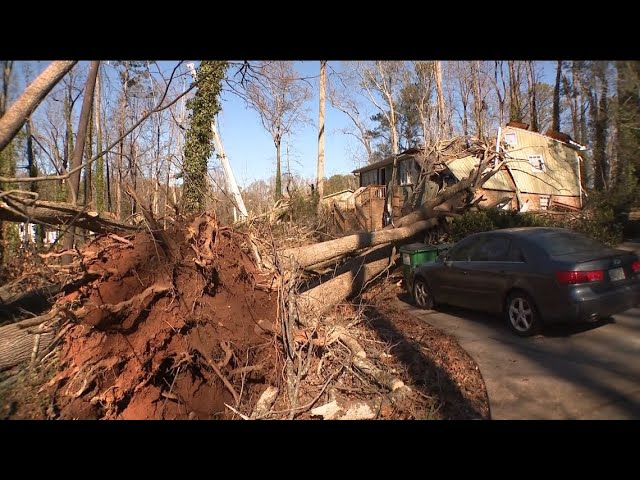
{"x":567,"y":372}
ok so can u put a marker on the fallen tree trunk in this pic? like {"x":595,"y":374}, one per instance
{"x":312,"y":255}
{"x":18,"y":343}
{"x":316,"y":301}
{"x":23,"y":107}
{"x":406,"y":227}
{"x":17,"y":208}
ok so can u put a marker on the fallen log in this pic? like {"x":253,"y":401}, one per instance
{"x":19,"y":343}
{"x":319,"y":253}
{"x":317,"y":300}
{"x":17,"y":208}
{"x":14,"y":118}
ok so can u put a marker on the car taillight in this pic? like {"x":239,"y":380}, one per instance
{"x":635,"y":267}
{"x":572,"y":278}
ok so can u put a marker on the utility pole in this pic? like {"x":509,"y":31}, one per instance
{"x":231,"y":181}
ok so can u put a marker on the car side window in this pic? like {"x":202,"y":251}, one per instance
{"x":515,"y":254}
{"x":462,"y":251}
{"x":492,"y":249}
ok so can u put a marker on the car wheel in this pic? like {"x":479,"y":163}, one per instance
{"x":522,"y":315}
{"x":422,"y":294}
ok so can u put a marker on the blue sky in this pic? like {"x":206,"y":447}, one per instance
{"x":252,"y":153}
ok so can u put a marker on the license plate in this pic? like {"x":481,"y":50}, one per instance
{"x":616,"y":274}
{"x":406,"y":259}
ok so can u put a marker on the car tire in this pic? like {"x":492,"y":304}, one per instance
{"x":521,"y":314}
{"x":422,"y":294}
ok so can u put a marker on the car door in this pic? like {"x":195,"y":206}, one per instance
{"x":489,"y":272}
{"x":453,"y":281}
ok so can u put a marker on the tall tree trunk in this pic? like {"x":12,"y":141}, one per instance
{"x":7,"y":67}
{"x":320,"y":173}
{"x":100,"y":161}
{"x":555,"y":122}
{"x":33,"y":187}
{"x":88,"y":152}
{"x":515,"y":105}
{"x":442,"y":122}
{"x":278,"y":171}
{"x":13,"y":119}
{"x":500,"y":94}
{"x":133,"y":173}
{"x":533,"y":111}
{"x":465,"y":119}
{"x":477,"y":98}
{"x":628,"y":119}
{"x":74,"y":178}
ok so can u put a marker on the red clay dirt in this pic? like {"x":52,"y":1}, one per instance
{"x":152,"y":359}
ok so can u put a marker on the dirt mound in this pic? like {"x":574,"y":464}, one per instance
{"x":162,"y":336}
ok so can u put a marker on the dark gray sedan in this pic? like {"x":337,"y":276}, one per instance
{"x":532,"y":276}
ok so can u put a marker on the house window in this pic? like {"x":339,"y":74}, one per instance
{"x":407,"y":172}
{"x":544,"y":202}
{"x":369,"y":178}
{"x":537,"y":163}
{"x":511,"y":139}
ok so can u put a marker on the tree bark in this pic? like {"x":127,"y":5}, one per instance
{"x":555,"y":125}
{"x":14,"y":118}
{"x":310,"y":255}
{"x":14,"y":208}
{"x":533,"y":111}
{"x":320,"y":175}
{"x":278,"y":171}
{"x":18,"y":344}
{"x":81,"y":137}
{"x":316,"y":301}
{"x":442,"y":123}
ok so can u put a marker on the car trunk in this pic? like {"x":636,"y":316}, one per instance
{"x":615,"y":264}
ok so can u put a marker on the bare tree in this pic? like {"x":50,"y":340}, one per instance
{"x":424,"y":78}
{"x":460,"y":71}
{"x":555,"y":125}
{"x":533,"y":113}
{"x":279,"y":97}
{"x":443,"y":125}
{"x":320,"y":175}
{"x":343,"y":96}
{"x":17,"y":114}
{"x":479,"y":104}
{"x":83,"y":123}
{"x":516,"y":110}
{"x":383,"y":80}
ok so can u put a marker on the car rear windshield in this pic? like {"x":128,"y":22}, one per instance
{"x":564,"y":243}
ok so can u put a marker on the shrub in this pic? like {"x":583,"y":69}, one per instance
{"x":599,"y":222}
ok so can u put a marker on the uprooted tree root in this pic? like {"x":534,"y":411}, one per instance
{"x":155,"y":336}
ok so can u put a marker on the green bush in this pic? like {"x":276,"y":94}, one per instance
{"x":599,"y":222}
{"x":493,"y":219}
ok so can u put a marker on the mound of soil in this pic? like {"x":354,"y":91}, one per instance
{"x":166,"y":337}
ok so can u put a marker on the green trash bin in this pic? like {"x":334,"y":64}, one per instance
{"x":416,"y":254}
{"x":413,"y":255}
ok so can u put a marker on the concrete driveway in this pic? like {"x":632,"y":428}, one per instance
{"x":587,"y":371}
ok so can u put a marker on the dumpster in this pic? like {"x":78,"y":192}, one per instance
{"x":416,"y":254}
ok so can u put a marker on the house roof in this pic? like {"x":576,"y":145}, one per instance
{"x":388,"y":160}
{"x":461,"y":168}
{"x":348,"y":190}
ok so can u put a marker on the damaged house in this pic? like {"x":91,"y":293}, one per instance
{"x":542,"y":172}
